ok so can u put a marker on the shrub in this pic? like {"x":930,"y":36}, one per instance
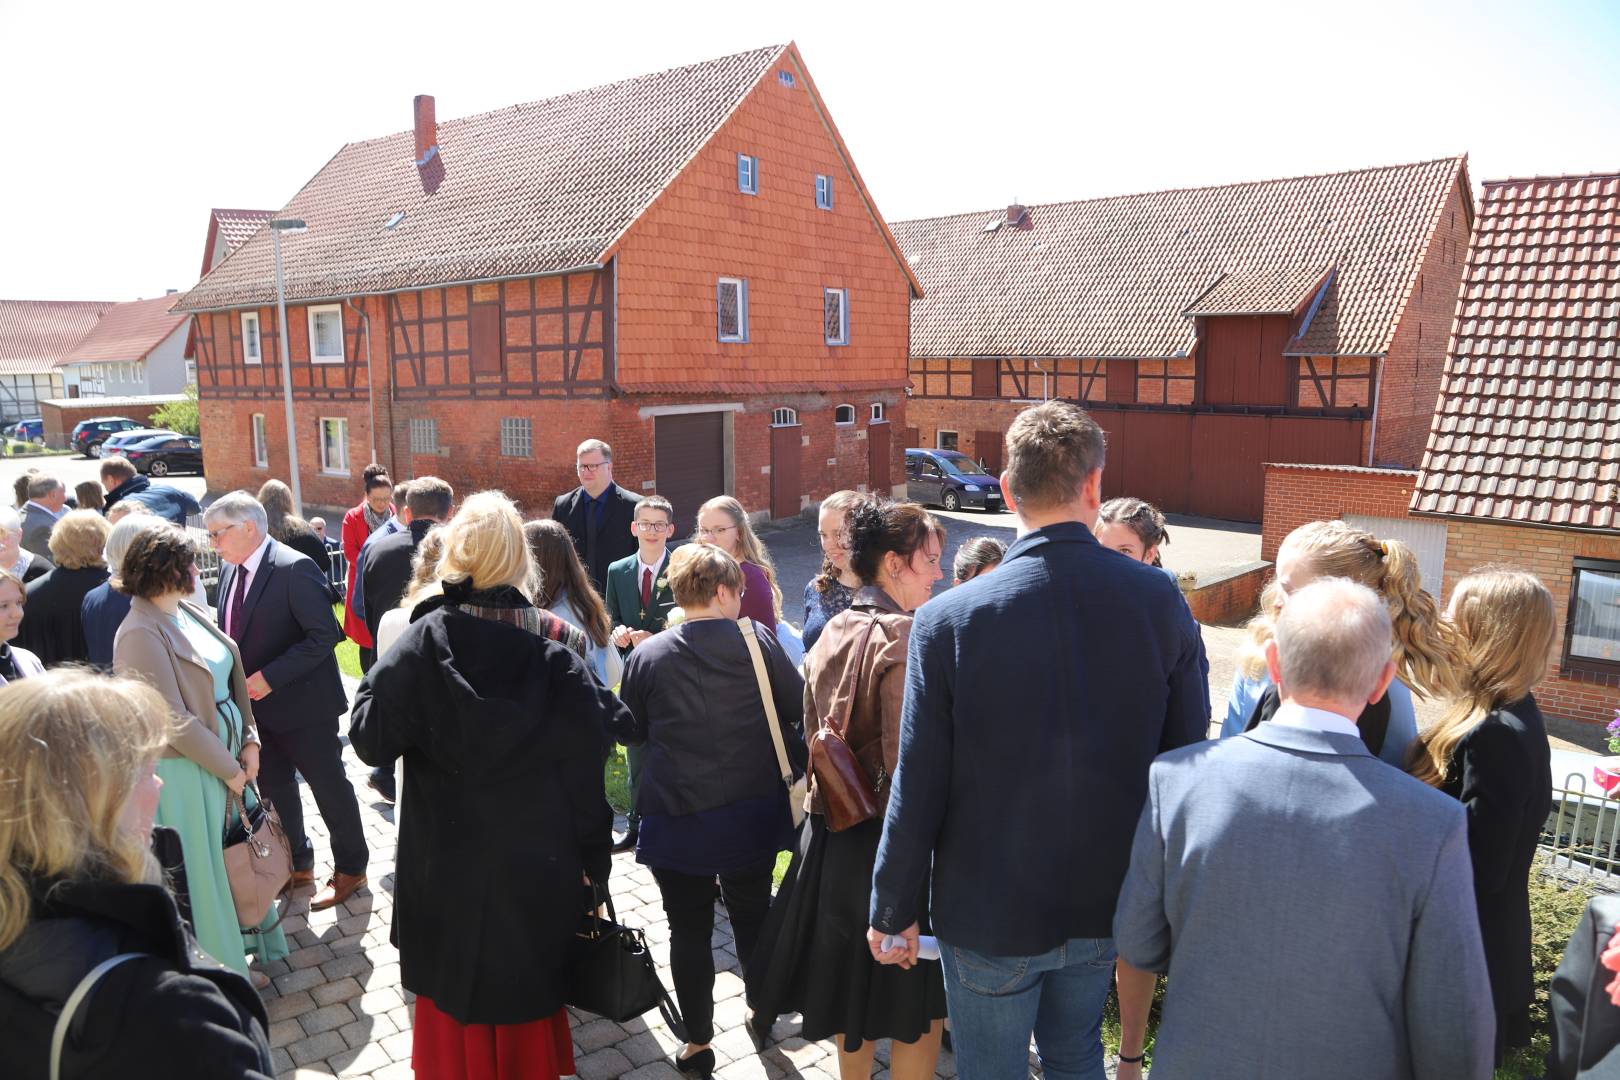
{"x":179,"y":416}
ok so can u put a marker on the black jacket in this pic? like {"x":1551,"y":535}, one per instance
{"x":613,"y":540}
{"x":302,"y":539}
{"x":387,"y":572}
{"x":101,"y":614}
{"x":175,"y":1014}
{"x":288,"y":633}
{"x":502,"y":807}
{"x":1585,"y":1024}
{"x":38,"y":567}
{"x":53,"y":621}
{"x":1502,"y":774}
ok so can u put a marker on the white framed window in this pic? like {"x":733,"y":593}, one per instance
{"x":824,"y":192}
{"x":835,"y":315}
{"x":785,"y":78}
{"x":326,"y":334}
{"x":424,"y":436}
{"x":517,"y":437}
{"x":252,"y":350}
{"x":140,"y":371}
{"x":844,"y":414}
{"x":784,"y":417}
{"x":334,"y":434}
{"x":261,"y":445}
{"x":944,"y":440}
{"x":747,"y":174}
{"x":731,"y":302}
{"x":879,"y":413}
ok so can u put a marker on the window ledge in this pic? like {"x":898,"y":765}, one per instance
{"x":326,"y":359}
{"x":335,"y":472}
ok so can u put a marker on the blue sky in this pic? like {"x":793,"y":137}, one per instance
{"x":125,"y":123}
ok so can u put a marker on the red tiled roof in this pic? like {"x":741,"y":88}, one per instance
{"x":1273,"y":291}
{"x":531,"y":189}
{"x":1528,"y":424}
{"x":236,"y":226}
{"x":35,"y":335}
{"x":127,"y":332}
{"x":1113,"y":277}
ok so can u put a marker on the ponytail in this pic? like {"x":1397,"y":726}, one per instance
{"x":1426,"y":650}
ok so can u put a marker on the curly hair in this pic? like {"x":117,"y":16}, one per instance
{"x":877,"y":528}
{"x":158,"y":561}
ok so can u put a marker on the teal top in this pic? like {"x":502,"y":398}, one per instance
{"x":218,"y":657}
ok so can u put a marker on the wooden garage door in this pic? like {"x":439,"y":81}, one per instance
{"x":689,"y":462}
{"x":877,"y":458}
{"x":787,"y":448}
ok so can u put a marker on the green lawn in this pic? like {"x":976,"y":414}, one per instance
{"x":348,"y":653}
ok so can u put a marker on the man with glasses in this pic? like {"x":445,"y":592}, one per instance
{"x":639,"y":601}
{"x":598,"y":514}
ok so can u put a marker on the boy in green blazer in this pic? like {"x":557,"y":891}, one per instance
{"x":639,"y":603}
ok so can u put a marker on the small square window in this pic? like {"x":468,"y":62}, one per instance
{"x":517,"y":437}
{"x":844,"y":414}
{"x":879,"y":414}
{"x":1594,"y":613}
{"x":334,"y":433}
{"x":326,"y":334}
{"x":785,"y":78}
{"x":261,"y":445}
{"x":835,"y":312}
{"x":732,"y":309}
{"x":251,"y":353}
{"x":824,"y":192}
{"x":424,"y":436}
{"x":747,"y":174}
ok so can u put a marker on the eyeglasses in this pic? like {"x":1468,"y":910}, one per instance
{"x":654,"y":526}
{"x":585,"y":466}
{"x":701,"y":532}
{"x":215,"y":534}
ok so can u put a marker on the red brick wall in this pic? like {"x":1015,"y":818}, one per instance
{"x":59,"y":421}
{"x":1297,"y":494}
{"x":1229,"y":600}
{"x":1412,"y":370}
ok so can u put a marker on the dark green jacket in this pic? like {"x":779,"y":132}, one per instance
{"x":624,"y":595}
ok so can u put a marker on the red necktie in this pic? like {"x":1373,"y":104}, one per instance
{"x":646,"y":588}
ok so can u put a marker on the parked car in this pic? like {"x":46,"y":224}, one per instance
{"x":166,"y":454}
{"x":88,"y":435}
{"x":950,"y":479}
{"x":30,"y":430}
{"x":115,"y":444}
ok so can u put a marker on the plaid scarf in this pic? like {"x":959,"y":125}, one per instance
{"x":508,"y":605}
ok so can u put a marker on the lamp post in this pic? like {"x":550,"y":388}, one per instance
{"x":277,"y":227}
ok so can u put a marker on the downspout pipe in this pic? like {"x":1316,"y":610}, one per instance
{"x":371,"y":385}
{"x":1378,"y":387}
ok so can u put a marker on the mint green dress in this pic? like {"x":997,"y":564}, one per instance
{"x":193,"y":804}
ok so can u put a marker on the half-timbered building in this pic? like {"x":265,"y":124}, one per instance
{"x":1209,"y":330}
{"x":686,"y":264}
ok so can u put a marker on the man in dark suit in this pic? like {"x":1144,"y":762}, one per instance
{"x":598,"y":513}
{"x":47,"y":502}
{"x":386,"y":571}
{"x":639,"y":601}
{"x":1006,"y":784}
{"x":275,"y":605}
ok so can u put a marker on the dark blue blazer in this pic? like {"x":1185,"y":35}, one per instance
{"x":1036,"y":698}
{"x":102,"y":612}
{"x":288,"y":633}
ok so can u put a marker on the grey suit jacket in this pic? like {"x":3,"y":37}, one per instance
{"x":37,"y":526}
{"x":1314,"y":910}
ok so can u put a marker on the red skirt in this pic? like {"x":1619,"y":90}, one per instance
{"x":442,"y":1049}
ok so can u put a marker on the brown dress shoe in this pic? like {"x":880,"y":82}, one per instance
{"x":302,"y":879}
{"x":338,"y":889}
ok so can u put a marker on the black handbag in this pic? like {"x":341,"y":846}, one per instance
{"x":611,"y":972}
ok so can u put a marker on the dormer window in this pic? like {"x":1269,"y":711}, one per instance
{"x":747,"y":174}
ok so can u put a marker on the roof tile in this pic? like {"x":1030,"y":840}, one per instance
{"x":128,"y":332}
{"x":35,"y":335}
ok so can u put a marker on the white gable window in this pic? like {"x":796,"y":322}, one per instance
{"x":836,"y":313}
{"x":326,"y":334}
{"x":251,"y":350}
{"x":731,"y":297}
{"x":747,"y":174}
{"x":844,"y":414}
{"x":261,"y":445}
{"x":824,"y":192}
{"x":334,"y":445}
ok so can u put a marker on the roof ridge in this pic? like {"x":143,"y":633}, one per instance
{"x":1606,"y":175}
{"x":458,"y":120}
{"x":1195,"y":187}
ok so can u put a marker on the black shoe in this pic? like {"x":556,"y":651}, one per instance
{"x":700,"y":1063}
{"x":382,"y":782}
{"x":627,"y":842}
{"x":759,"y":1030}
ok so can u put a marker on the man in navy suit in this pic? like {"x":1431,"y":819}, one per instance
{"x":1022,"y":771}
{"x":274,"y":604}
{"x":598,"y":514}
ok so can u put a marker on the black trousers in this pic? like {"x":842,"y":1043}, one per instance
{"x":315,"y":752}
{"x":689,"y":906}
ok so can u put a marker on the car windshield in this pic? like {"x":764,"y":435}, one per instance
{"x":961,"y":465}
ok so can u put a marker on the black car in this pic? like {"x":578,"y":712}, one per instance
{"x":950,"y":479}
{"x":88,"y":435}
{"x":166,"y":454}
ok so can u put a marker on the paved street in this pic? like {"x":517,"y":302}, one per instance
{"x":75,"y":469}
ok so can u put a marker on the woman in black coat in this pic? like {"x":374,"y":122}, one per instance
{"x":1491,"y":753}
{"x":79,"y":886}
{"x":53,"y":622}
{"x":502,"y":812}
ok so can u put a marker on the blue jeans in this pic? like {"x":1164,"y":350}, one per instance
{"x":998,"y":1001}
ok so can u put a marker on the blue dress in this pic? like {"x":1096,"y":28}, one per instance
{"x":820,"y":607}
{"x":1246,"y":694}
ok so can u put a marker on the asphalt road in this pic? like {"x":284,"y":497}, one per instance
{"x":75,"y":469}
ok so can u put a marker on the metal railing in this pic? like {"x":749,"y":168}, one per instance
{"x":1583,"y":830}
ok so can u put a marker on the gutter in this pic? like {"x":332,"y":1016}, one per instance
{"x":1378,"y":389}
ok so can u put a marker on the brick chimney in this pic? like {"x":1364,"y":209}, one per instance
{"x":429,"y":164}
{"x":1018,"y":215}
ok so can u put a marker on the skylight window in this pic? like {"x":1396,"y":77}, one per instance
{"x":394,"y":219}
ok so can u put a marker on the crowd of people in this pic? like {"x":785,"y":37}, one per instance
{"x":1000,"y":799}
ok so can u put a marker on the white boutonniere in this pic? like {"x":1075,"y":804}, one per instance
{"x":661,"y":583}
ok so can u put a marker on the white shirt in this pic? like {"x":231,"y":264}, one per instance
{"x":1291,"y":715}
{"x":247,"y":569}
{"x":642,"y":568}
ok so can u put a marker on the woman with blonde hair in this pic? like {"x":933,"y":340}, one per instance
{"x":723,"y":522}
{"x":833,"y":589}
{"x":1424,"y":648}
{"x":501,"y":808}
{"x":16,"y":662}
{"x":53,"y":628}
{"x":1490,"y":752}
{"x":81,"y":891}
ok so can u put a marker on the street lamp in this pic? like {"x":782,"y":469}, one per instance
{"x":277,"y":227}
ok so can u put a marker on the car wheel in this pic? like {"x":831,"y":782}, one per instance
{"x":94,"y":451}
{"x":951,"y":501}
{"x":158,"y":468}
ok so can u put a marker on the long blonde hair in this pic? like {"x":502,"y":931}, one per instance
{"x":73,"y":746}
{"x":484,"y":543}
{"x":748,"y":546}
{"x":1505,"y":624}
{"x":1426,"y":654}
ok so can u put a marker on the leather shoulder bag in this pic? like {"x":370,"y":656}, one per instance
{"x":848,"y":795}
